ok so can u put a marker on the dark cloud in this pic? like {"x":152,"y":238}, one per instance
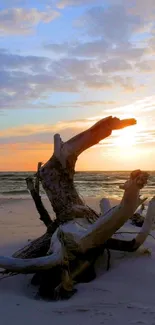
{"x":20,"y":89}
{"x":74,"y":67}
{"x":15,"y":61}
{"x":115,"y":65}
{"x":115,"y":24}
{"x":128,"y":52}
{"x":91,"y":49}
{"x":98,"y":49}
{"x":23,"y":79}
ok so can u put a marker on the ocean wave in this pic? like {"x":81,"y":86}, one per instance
{"x":14,"y":192}
{"x":16,"y":174}
{"x":95,"y":183}
{"x":12,"y":184}
{"x":7,"y":174}
{"x":12,"y":179}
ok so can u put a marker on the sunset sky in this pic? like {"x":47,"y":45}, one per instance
{"x":65,"y":64}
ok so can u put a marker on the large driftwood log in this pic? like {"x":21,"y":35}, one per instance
{"x":57,"y":174}
{"x":79,"y":235}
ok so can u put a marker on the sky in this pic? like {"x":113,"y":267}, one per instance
{"x":65,"y":64}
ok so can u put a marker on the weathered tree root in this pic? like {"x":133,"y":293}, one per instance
{"x":66,"y":253}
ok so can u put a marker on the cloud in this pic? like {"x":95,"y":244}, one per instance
{"x":115,"y":24}
{"x":94,"y":64}
{"x":125,"y":82}
{"x":93,"y":103}
{"x":143,"y":8}
{"x":115,"y":65}
{"x":138,"y":108}
{"x":36,"y":141}
{"x":73,"y":67}
{"x":97,"y":82}
{"x":91,"y":49}
{"x":136,"y":7}
{"x":128,"y":52}
{"x":22,"y":78}
{"x":43,"y":133}
{"x":98,"y":49}
{"x":109,"y":82}
{"x":63,"y":3}
{"x":31,"y":129}
{"x":16,"y":61}
{"x":151,"y":44}
{"x":146,"y":66}
{"x":20,"y":21}
{"x":119,"y":22}
{"x":94,"y":74}
{"x":21,"y":89}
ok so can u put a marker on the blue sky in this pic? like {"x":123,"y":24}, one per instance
{"x":66,"y":63}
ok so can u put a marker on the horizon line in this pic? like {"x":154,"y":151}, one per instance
{"x":76,"y":171}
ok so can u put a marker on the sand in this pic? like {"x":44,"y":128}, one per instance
{"x":123,"y":295}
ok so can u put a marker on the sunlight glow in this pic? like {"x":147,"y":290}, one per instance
{"x":127,"y":138}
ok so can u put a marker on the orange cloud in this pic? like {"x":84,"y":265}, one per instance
{"x":30,"y":129}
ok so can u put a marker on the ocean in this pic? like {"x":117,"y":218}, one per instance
{"x":91,"y":184}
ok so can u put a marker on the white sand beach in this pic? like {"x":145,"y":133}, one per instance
{"x":123,"y":295}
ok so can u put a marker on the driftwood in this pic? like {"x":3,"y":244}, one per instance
{"x":66,"y":253}
{"x":138,"y":219}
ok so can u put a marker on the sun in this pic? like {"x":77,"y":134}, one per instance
{"x":126,"y":138}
